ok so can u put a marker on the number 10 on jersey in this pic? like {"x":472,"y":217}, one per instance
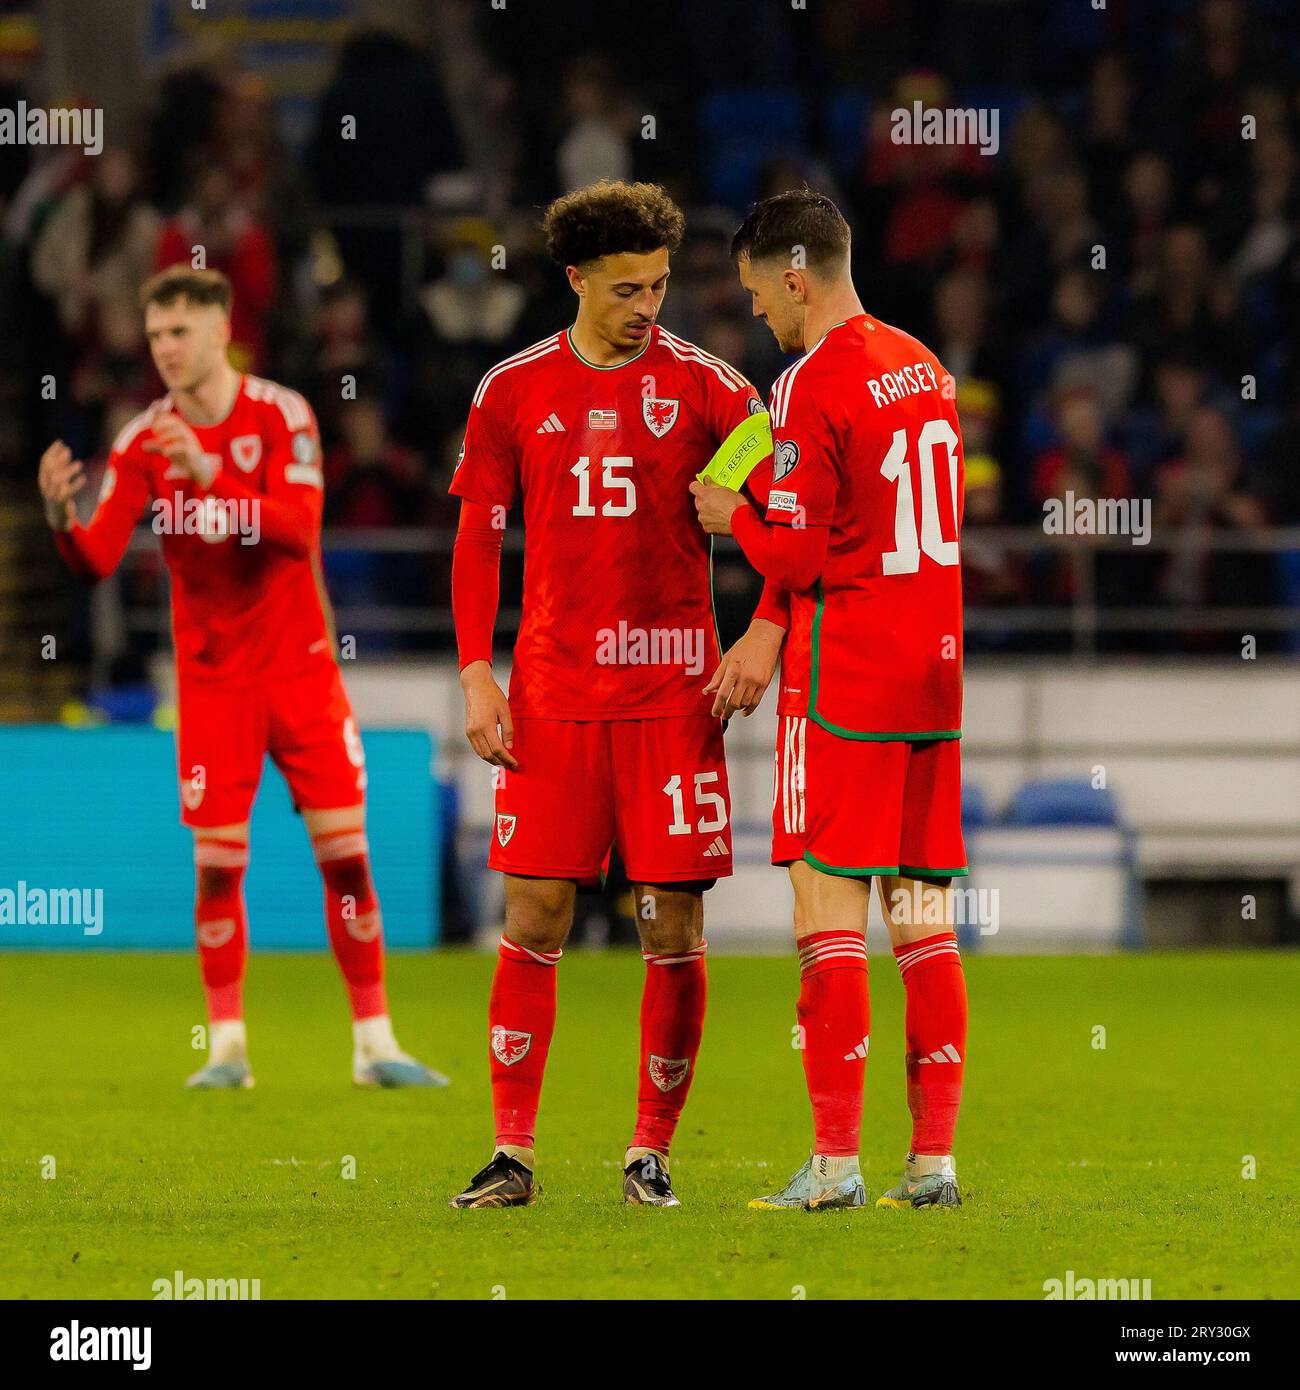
{"x":905,"y":558}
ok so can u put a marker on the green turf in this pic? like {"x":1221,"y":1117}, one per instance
{"x":1117,"y":1163}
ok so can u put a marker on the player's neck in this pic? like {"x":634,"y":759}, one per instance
{"x":592,"y":348}
{"x":212,"y":399}
{"x":838,"y":308}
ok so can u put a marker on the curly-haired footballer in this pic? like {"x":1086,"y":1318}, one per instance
{"x":609,"y":735}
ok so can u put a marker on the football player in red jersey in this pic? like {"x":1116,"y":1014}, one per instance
{"x":229,"y":465}
{"x":861,"y":526}
{"x":608,"y":735}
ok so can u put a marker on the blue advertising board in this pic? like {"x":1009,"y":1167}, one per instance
{"x":92,"y":853}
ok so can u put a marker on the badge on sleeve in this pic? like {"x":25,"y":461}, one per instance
{"x":785,"y":455}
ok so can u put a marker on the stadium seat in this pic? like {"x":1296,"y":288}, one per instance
{"x":975,"y":813}
{"x":126,"y":704}
{"x":1051,"y":802}
{"x":743,"y":129}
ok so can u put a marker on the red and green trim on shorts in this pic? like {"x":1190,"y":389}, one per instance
{"x":871,"y":870}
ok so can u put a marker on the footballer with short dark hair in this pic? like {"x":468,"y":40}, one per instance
{"x":862,"y":527}
{"x":610,"y":734}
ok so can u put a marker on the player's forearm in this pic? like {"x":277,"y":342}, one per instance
{"x":790,"y":556}
{"x":475,"y":583}
{"x":773,"y":606}
{"x":89,"y":554}
{"x":289,"y":525}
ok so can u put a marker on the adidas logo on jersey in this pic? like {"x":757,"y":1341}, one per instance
{"x":551,"y":425}
{"x":948,"y":1054}
{"x":717,"y":848}
{"x":859,"y":1053}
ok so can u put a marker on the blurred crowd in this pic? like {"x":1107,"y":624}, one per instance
{"x":1114,"y":291}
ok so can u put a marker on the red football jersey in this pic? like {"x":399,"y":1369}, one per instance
{"x":617,"y":608}
{"x":866,"y":441}
{"x":244,"y":554}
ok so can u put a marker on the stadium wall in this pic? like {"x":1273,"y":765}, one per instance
{"x":1201,"y":762}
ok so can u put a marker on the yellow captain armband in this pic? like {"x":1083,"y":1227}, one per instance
{"x":741,"y":452}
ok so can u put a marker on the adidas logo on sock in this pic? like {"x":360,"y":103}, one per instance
{"x":551,"y":425}
{"x":717,"y":849}
{"x":948,"y":1054}
{"x":859,"y":1053}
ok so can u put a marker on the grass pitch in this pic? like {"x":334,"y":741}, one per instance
{"x":1117,"y":1162}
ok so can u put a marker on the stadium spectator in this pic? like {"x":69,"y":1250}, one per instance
{"x":1148,"y":196}
{"x":234,"y":242}
{"x":471,"y":301}
{"x":339,"y":353}
{"x":384,"y":129}
{"x":1077,"y":348}
{"x":992,"y":572}
{"x":1082,"y":462}
{"x":601,"y":125}
{"x":1122,"y":135}
{"x":1199,"y":496}
{"x":96,"y":247}
{"x":1081,"y":466}
{"x":961,"y":317}
{"x":370,"y":480}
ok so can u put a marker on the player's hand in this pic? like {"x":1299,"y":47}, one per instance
{"x":714,"y":506}
{"x":174,"y":439}
{"x":60,"y":478}
{"x":488,"y":725}
{"x":746,"y":671}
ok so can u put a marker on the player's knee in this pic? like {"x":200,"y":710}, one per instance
{"x":541,"y":917}
{"x":219,"y":866}
{"x":669,"y":920}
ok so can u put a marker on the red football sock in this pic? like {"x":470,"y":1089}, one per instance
{"x":353,"y":918}
{"x":672,"y":1023}
{"x":221,"y":924}
{"x":521,"y":1019}
{"x":835,"y":1015}
{"x":936,"y":1038}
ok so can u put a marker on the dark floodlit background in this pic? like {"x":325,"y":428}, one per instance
{"x":1115,"y":291}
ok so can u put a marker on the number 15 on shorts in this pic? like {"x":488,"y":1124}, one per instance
{"x":710,"y":808}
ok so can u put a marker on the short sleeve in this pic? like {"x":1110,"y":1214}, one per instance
{"x":487,"y":470}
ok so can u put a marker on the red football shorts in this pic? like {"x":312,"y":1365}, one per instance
{"x":851,"y":806}
{"x":655,"y":788}
{"x":304,"y":722}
